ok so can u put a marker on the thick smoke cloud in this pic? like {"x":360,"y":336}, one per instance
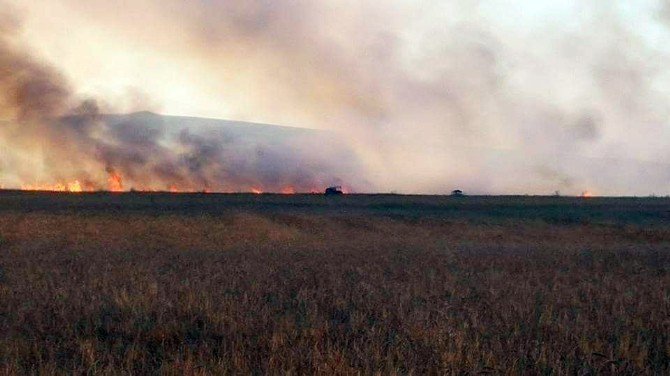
{"x":53,"y":138}
{"x":487,"y":96}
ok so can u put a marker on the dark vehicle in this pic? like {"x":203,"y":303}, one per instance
{"x":334,"y":191}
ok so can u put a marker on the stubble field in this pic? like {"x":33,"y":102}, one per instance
{"x":201,"y":284}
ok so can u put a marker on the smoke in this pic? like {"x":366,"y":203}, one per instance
{"x":189,"y":154}
{"x":56,"y":139}
{"x":30,"y":93}
{"x":30,"y":90}
{"x":486,"y":96}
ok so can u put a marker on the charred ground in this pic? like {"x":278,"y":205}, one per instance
{"x":201,"y":283}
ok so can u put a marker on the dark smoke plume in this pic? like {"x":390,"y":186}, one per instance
{"x":67,"y":140}
{"x":488,"y":96}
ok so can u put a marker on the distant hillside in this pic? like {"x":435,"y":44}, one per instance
{"x":231,"y":128}
{"x":238,"y":155}
{"x":148,"y":151}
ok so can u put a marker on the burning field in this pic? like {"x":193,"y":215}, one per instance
{"x":149,"y":152}
{"x":208,"y":283}
{"x":141,"y":235}
{"x":52,"y":139}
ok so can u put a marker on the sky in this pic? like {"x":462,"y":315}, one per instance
{"x":489,"y":96}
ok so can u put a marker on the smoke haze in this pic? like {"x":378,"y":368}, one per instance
{"x":425,"y":96}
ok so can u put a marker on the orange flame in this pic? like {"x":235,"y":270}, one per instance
{"x":115,"y":182}
{"x":587,"y":194}
{"x":288,"y":190}
{"x":74,"y":186}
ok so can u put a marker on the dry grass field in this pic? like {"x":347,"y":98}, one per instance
{"x":198,"y":284}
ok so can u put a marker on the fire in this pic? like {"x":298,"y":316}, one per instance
{"x":74,"y":186}
{"x":587,"y":194}
{"x":115,"y":182}
{"x":288,"y":190}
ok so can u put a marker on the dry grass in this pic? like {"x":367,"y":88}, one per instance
{"x":306,"y":293}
